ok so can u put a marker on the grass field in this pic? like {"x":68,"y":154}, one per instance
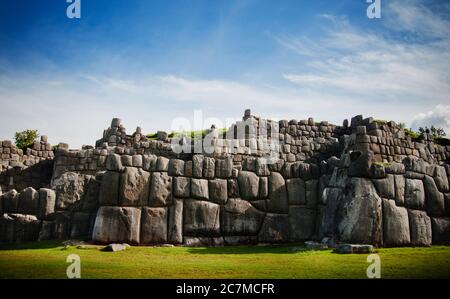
{"x":48,"y":260}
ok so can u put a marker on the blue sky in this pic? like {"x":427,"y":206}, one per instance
{"x":149,"y":62}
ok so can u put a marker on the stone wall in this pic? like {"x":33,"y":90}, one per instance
{"x":362,"y":182}
{"x":32,"y":168}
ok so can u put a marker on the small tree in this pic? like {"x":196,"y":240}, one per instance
{"x":25,"y":138}
{"x":435,"y":132}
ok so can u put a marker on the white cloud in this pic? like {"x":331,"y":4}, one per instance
{"x":404,"y":75}
{"x":439,"y":117}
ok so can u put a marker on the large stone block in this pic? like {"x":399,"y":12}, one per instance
{"x":218,"y":191}
{"x":10,"y":201}
{"x":208,"y":167}
{"x":149,"y":162}
{"x":240,"y":218}
{"x":296,"y":191}
{"x":440,"y":178}
{"x":134,"y":187}
{"x":201,"y":218}
{"x":312,"y":196}
{"x":161,"y":190}
{"x":117,"y":224}
{"x":360,"y":213}
{"x":181,"y":187}
{"x":17,"y":228}
{"x":109,"y":189}
{"x":69,"y":188}
{"x":395,"y":225}
{"x":414,"y":194}
{"x":199,"y":189}
{"x":154,"y":225}
{"x":434,"y":200}
{"x":233,"y":188}
{"x":29,"y":202}
{"x":82,"y":224}
{"x":278,"y":201}
{"x":61,"y":225}
{"x":360,"y":164}
{"x":385,"y":187}
{"x":176,"y":167}
{"x":261,"y":167}
{"x":197,"y":166}
{"x":224,"y":167}
{"x":175,"y":226}
{"x":420,"y":228}
{"x":399,"y":189}
{"x":114,"y":163}
{"x":47,"y":201}
{"x":248,"y":185}
{"x":441,"y":230}
{"x":302,"y":223}
{"x":275,"y":229}
{"x":162,"y":164}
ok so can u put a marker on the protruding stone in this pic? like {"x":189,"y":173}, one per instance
{"x":162,"y":164}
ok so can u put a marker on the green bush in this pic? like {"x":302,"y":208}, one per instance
{"x":25,"y":138}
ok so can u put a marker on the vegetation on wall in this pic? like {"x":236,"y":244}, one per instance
{"x":25,"y":138}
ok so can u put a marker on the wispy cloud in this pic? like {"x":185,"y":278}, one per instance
{"x":379,"y":66}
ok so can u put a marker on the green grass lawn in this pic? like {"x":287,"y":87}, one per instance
{"x":48,"y":260}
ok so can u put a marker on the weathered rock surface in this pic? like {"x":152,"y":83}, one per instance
{"x":109,"y":189}
{"x":17,"y":228}
{"x":248,"y":185}
{"x":420,"y":228}
{"x":278,"y":200}
{"x":361,"y":214}
{"x":414,"y":194}
{"x":434,"y":199}
{"x":302,"y":223}
{"x":117,"y":224}
{"x":201,"y":218}
{"x":441,"y":230}
{"x":160,"y":190}
{"x":275,"y":229}
{"x":134,"y":187}
{"x":69,"y":188}
{"x":395,"y":224}
{"x":154,"y":225}
{"x":240,"y":218}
